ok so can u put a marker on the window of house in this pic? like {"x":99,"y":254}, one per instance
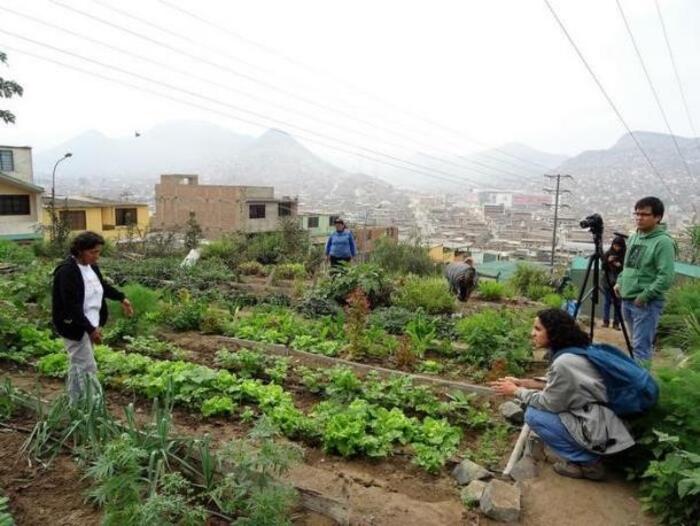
{"x":331,"y":220}
{"x":74,"y":219}
{"x":125,"y":216}
{"x":256,"y":212}
{"x":14,"y":205}
{"x":284,"y":209}
{"x":313,"y":222}
{"x":7,"y":161}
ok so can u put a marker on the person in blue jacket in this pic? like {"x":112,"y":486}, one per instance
{"x":340,"y":247}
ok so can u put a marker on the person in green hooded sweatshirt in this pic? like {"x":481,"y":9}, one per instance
{"x":647,"y":275}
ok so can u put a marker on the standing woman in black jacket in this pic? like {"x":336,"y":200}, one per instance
{"x":80,"y":309}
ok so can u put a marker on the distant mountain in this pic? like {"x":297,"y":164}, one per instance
{"x":612,"y":180}
{"x":180,"y":146}
{"x":218,"y":155}
{"x":507,"y":167}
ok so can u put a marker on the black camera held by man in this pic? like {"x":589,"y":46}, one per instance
{"x":594,"y":223}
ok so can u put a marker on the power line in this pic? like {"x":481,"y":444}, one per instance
{"x":449,"y":179}
{"x":322,"y":72}
{"x":675,"y":72}
{"x":233,"y":106}
{"x":653,"y":89}
{"x":231,"y":88}
{"x":255,"y":80}
{"x":610,"y":102}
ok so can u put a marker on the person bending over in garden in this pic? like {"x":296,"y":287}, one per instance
{"x":340,"y":247}
{"x":79,"y":309}
{"x":568,"y":411}
{"x":461,"y":277}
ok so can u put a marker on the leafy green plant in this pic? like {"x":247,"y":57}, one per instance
{"x":430,"y":367}
{"x":434,"y":441}
{"x":493,"y":444}
{"x":496,"y":335}
{"x":151,"y":346}
{"x":55,"y":365}
{"x":184,"y":314}
{"x":527,"y":275}
{"x":252,"y":268}
{"x":217,"y":405}
{"x":422,"y":331}
{"x":392,"y":319}
{"x":553,"y":300}
{"x":215,"y":320}
{"x":538,"y":292}
{"x":290,"y":271}
{"x":491,"y":290}
{"x":6,"y":518}
{"x":429,"y":294}
{"x":403,"y":257}
{"x":368,"y":278}
{"x":683,"y":301}
{"x":671,"y":484}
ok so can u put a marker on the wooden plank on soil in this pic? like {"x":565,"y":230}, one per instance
{"x":328,"y":361}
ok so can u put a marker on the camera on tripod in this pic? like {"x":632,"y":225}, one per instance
{"x":594,"y":223}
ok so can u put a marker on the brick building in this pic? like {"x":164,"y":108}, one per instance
{"x":219,"y":209}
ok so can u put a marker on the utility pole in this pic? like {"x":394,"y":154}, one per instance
{"x":557,"y":191}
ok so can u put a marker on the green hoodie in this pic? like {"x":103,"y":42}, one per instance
{"x":648,"y":269}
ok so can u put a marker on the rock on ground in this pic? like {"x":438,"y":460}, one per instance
{"x":513,"y":412}
{"x":473,"y":492}
{"x":466,"y":471}
{"x":501,"y":501}
{"x":524,"y":469}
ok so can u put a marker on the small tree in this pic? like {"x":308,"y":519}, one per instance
{"x":8,"y":88}
{"x":193,"y":232}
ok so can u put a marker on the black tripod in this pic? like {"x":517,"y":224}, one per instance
{"x":595,"y":223}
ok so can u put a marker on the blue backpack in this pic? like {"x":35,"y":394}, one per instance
{"x":631,"y":388}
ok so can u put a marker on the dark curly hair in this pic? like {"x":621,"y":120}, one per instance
{"x":562,"y":330}
{"x":85,"y":241}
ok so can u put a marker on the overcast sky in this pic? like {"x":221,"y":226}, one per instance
{"x":495,"y":70}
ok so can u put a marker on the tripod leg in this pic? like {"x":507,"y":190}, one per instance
{"x":617,"y":305}
{"x":582,"y":291}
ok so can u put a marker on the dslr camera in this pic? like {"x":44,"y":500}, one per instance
{"x":594,"y":223}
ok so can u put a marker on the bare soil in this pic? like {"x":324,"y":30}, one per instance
{"x":38,"y":495}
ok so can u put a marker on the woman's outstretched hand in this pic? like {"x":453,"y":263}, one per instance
{"x":505,"y":386}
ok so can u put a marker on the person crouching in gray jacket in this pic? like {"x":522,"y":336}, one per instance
{"x":568,"y":410}
{"x":461,"y":277}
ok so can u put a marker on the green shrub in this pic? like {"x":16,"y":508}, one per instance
{"x":492,"y":290}
{"x":403,"y":258}
{"x":528,"y":275}
{"x":429,"y":294}
{"x":146,"y":303}
{"x":392,"y":319}
{"x":538,"y":292}
{"x":675,"y":327}
{"x":553,"y":300}
{"x":496,"y":334}
{"x":184,"y":313}
{"x":671,"y":484}
{"x":290,"y":271}
{"x":215,"y":320}
{"x":370,"y":279}
{"x":252,"y":268}
{"x":11,"y":252}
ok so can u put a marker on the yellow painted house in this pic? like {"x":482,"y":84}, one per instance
{"x":20,"y":198}
{"x":110,"y":219}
